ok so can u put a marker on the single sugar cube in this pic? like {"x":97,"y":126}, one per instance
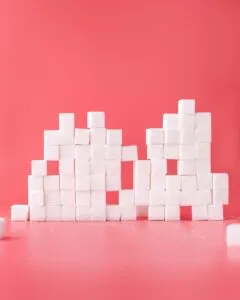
{"x":189,"y":183}
{"x":114,"y":137}
{"x":128,"y":213}
{"x":67,"y":151}
{"x":173,"y":183}
{"x":67,"y":182}
{"x":173,"y":197}
{"x":52,"y":137}
{"x":66,"y":166}
{"x":204,"y":181}
{"x":97,"y":167}
{"x":37,"y":213}
{"x":35,"y":197}
{"x":129,"y":153}
{"x":113,"y":152}
{"x":113,"y":167}
{"x":203,"y":166}
{"x":82,"y":152}
{"x":39,"y":167}
{"x":188,"y":198}
{"x":171,"y":121}
{"x":98,"y":136}
{"x":98,"y":182}
{"x":51,"y":183}
{"x":82,"y":136}
{"x":141,"y":181}
{"x":98,"y":213}
{"x":233,"y":234}
{"x":187,"y":152}
{"x":172,"y":213}
{"x":154,"y":152}
{"x":52,"y":198}
{"x":126,"y":197}
{"x":154,"y":136}
{"x":156,"y":213}
{"x":83,"y":213}
{"x":220,"y":197}
{"x":19,"y":213}
{"x":2,"y":228}
{"x":51,"y":153}
{"x":96,"y":119}
{"x":199,"y":213}
{"x":171,"y":151}
{"x":220,"y":181}
{"x":113,"y":183}
{"x":187,"y":137}
{"x":203,"y":150}
{"x":187,"y":167}
{"x":35,"y":182}
{"x":68,"y":198}
{"x":113,"y":213}
{"x":157,"y":197}
{"x":66,"y":123}
{"x":159,"y":166}
{"x":82,"y":167}
{"x":203,"y":197}
{"x":186,"y":106}
{"x":172,"y":137}
{"x":98,"y":152}
{"x":83,"y":198}
{"x":142,"y":197}
{"x":68,"y":213}
{"x":53,"y":213}
{"x":215,"y":212}
{"x":158,"y":182}
{"x":187,"y":122}
{"x":98,"y":198}
{"x":82,"y":183}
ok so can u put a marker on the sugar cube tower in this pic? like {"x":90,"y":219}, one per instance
{"x":90,"y":161}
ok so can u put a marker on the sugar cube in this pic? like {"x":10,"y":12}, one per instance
{"x":82,"y":152}
{"x":220,"y":197}
{"x":51,"y":153}
{"x":98,"y":182}
{"x":68,"y":198}
{"x":203,"y":166}
{"x":189,"y":183}
{"x":113,"y":152}
{"x":215,"y":212}
{"x":98,"y":213}
{"x":187,"y":167}
{"x":98,"y":198}
{"x":154,"y":136}
{"x":113,"y":167}
{"x":173,"y":183}
{"x":233,"y":234}
{"x":172,"y":213}
{"x":155,"y":152}
{"x":199,"y":213}
{"x":83,"y":198}
{"x":128,"y":213}
{"x":204,"y":181}
{"x":82,"y":136}
{"x":51,"y":183}
{"x":187,"y":152}
{"x":142,"y":197}
{"x":187,"y":122}
{"x":35,"y":182}
{"x":171,"y":151}
{"x":96,"y":119}
{"x":126,"y":197}
{"x":186,"y":106}
{"x":220,"y":181}
{"x":19,"y":212}
{"x":172,"y":137}
{"x":66,"y":123}
{"x":82,"y":183}
{"x":53,"y":213}
{"x":113,"y":213}
{"x":158,"y":182}
{"x":2,"y":227}
{"x":98,"y":136}
{"x":39,"y":167}
{"x":157,"y":197}
{"x":52,"y":137}
{"x":83,"y":213}
{"x":114,"y":137}
{"x":66,"y":166}
{"x":129,"y":153}
{"x":187,"y":137}
{"x":82,"y":167}
{"x":156,"y":213}
{"x":203,"y":150}
{"x":173,"y":197}
{"x":159,"y":166}
{"x":170,"y":121}
{"x":52,"y":198}
{"x":67,"y":151}
{"x":98,"y":152}
{"x":113,"y":182}
{"x":68,"y":213}
{"x":35,"y":197}
{"x":37,"y":213}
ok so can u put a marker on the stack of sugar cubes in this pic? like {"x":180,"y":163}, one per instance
{"x":89,"y":167}
{"x":185,"y":137}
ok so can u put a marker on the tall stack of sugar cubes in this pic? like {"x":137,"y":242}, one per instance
{"x":90,"y":164}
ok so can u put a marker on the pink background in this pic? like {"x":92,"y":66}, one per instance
{"x":132,"y":58}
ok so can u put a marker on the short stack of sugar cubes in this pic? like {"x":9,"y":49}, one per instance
{"x":90,"y":163}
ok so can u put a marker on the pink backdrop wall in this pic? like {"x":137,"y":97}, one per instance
{"x":130,"y":58}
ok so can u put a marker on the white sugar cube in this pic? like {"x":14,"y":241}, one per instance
{"x":189,"y":198}
{"x":113,"y":183}
{"x":203,"y":166}
{"x":142,"y":166}
{"x":98,"y":213}
{"x":52,"y":198}
{"x":35,"y":197}
{"x":2,"y":228}
{"x":39,"y":167}
{"x":98,"y":136}
{"x":171,"y":151}
{"x":66,"y":123}
{"x":53,"y":213}
{"x":113,"y":152}
{"x":233,"y":234}
{"x":82,"y":167}
{"x":173,"y":197}
{"x":159,"y":166}
{"x":113,"y":213}
{"x":128,"y":213}
{"x":203,"y":150}
{"x":129,"y":153}
{"x":113,"y":167}
{"x":142,"y":197}
{"x":98,"y":152}
{"x":97,"y":167}
{"x":98,"y":198}
{"x":203,"y":119}
{"x":83,"y":198}
{"x":19,"y":213}
{"x":203,"y":135}
{"x":68,"y":213}
{"x":68,"y":198}
{"x":51,"y":153}
{"x":96,"y":119}
{"x":155,"y":152}
{"x":83,"y":213}
{"x":220,"y":197}
{"x":51,"y":183}
{"x":187,"y":167}
{"x":158,"y":182}
{"x":172,"y":213}
{"x":142,"y":211}
{"x":215,"y":212}
{"x":67,"y":151}
{"x":203,"y":197}
{"x":170,"y":121}
{"x":35,"y":182}
{"x":154,"y":136}
{"x":66,"y":166}
{"x":187,"y":122}
{"x":187,"y":152}
{"x":98,"y":182}
{"x":204,"y":181}
{"x":37,"y":213}
{"x":52,"y":137}
{"x":157,"y":197}
{"x":82,"y":136}
{"x":126,"y":197}
{"x":114,"y":137}
{"x":186,"y":106}
{"x":187,"y":137}
{"x":220,"y":181}
{"x":82,"y":183}
{"x":173,"y":183}
{"x":199,"y":213}
{"x":156,"y":213}
{"x":189,"y":183}
{"x":172,"y":137}
{"x":141,"y":181}
{"x":82,"y":152}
